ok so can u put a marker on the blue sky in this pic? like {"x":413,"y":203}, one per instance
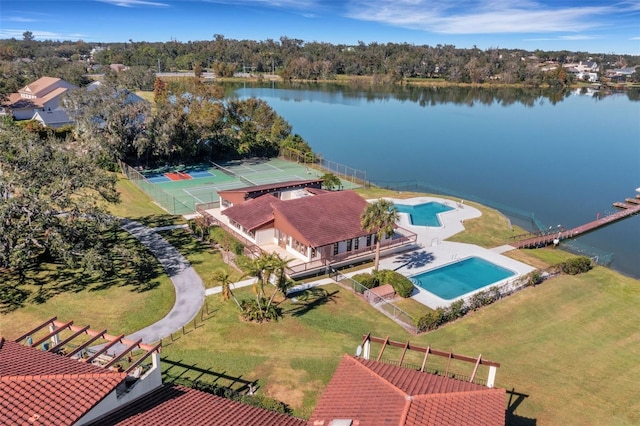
{"x":597,"y":26}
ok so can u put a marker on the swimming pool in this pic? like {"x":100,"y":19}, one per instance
{"x":424,"y":214}
{"x":462,"y":277}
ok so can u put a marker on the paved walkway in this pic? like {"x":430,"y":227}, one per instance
{"x":187,"y":283}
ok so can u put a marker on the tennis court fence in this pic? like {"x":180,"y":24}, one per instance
{"x":355,"y":176}
{"x":170,"y":203}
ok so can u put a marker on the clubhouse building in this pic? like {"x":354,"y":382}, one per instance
{"x":302,"y":222}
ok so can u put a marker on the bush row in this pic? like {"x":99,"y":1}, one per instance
{"x":459,"y":308}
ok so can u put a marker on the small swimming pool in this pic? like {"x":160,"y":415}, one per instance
{"x":459,"y":278}
{"x":424,"y":214}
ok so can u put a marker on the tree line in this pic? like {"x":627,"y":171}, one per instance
{"x":293,"y":58}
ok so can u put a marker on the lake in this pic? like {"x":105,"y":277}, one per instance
{"x":561,"y":158}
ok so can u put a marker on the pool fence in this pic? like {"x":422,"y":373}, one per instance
{"x":402,"y":318}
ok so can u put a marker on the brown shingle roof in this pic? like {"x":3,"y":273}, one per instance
{"x":324,"y":218}
{"x":376,"y":393}
{"x":177,"y":405}
{"x":47,"y":389}
{"x":253,"y":213}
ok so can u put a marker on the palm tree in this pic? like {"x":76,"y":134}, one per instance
{"x":379,"y":217}
{"x":223,"y":277}
{"x":282,"y":283}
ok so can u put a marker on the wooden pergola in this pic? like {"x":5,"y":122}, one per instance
{"x":71,"y":347}
{"x":365,"y":350}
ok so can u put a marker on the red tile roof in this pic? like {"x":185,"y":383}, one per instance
{"x":177,"y":405}
{"x":324,"y":218}
{"x":43,"y":388}
{"x":375,"y":393}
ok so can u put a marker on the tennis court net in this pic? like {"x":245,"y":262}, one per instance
{"x":229,"y":172}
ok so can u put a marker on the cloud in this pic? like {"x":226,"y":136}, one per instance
{"x":134,"y":3}
{"x":281,"y":4}
{"x":481,"y":16}
{"x":39,"y":35}
{"x":20,"y":19}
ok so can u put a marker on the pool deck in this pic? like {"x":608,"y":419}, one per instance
{"x":434,"y":252}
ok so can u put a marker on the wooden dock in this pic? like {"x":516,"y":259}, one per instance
{"x":629,"y":208}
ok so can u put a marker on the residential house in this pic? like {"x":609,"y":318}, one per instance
{"x":54,"y":118}
{"x":384,"y":391}
{"x":51,"y":381}
{"x":308,"y":223}
{"x":41,"y":95}
{"x":368,"y":392}
{"x":54,"y":377}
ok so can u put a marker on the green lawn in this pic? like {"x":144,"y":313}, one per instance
{"x":571,"y":345}
{"x":203,"y":257}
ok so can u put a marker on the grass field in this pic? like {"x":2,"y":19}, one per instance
{"x":569,"y":347}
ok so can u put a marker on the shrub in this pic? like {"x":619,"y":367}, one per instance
{"x":576,"y":265}
{"x":401,"y":284}
{"x":428,"y":321}
{"x":483,"y":298}
{"x":252,"y":312}
{"x":456,"y":310}
{"x":368,"y":280}
{"x":534,"y":278}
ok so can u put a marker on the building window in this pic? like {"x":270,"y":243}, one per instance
{"x":335,"y":248}
{"x":349,"y":243}
{"x":369,"y":240}
{"x":356,"y":243}
{"x":313,"y":252}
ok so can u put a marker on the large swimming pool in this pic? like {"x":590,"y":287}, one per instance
{"x":424,"y":214}
{"x":462,"y":277}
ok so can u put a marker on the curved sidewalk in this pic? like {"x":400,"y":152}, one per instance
{"x":187,"y":283}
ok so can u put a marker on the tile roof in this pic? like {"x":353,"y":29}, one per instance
{"x":44,"y":388}
{"x":375,"y":393}
{"x":253,"y":213}
{"x":177,"y":405}
{"x":324,"y":218}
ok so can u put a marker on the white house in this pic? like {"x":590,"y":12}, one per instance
{"x":41,"y":95}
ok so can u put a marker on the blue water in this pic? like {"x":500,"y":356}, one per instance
{"x":424,"y":214}
{"x":456,"y":279}
{"x":561,"y":160}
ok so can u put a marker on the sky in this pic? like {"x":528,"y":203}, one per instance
{"x":596,"y":26}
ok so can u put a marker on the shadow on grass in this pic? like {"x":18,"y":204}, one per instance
{"x":185,"y":242}
{"x":512,"y":419}
{"x":154,"y":221}
{"x":308,"y":300}
{"x":178,"y":370}
{"x":414,"y":259}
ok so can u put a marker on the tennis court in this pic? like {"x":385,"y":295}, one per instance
{"x":180,"y":189}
